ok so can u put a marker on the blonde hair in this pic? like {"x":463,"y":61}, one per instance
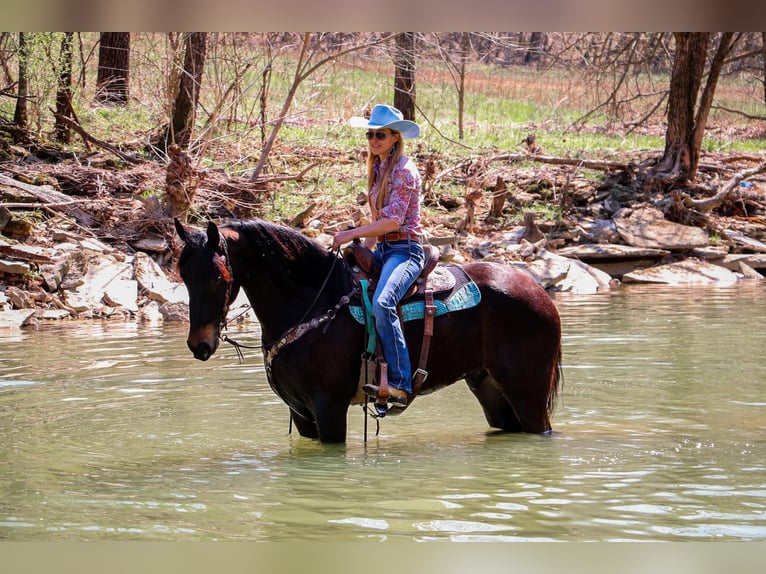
{"x":393,"y":159}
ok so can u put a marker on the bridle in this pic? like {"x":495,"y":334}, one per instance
{"x":270,"y":350}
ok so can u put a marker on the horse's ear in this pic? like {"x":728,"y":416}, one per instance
{"x":180,"y":229}
{"x":213,"y":236}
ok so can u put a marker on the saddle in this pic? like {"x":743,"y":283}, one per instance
{"x":434,"y":279}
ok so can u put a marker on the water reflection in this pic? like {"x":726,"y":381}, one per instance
{"x":114,"y":432}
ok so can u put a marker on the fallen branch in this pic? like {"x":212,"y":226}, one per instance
{"x":740,"y":113}
{"x":278,"y":178}
{"x":602,"y":165}
{"x":100,"y":143}
{"x":50,"y":197}
{"x":711,"y":203}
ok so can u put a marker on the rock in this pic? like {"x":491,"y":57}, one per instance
{"x":122,"y":293}
{"x":580,"y":277}
{"x":709,"y":253}
{"x":592,"y":251}
{"x":100,"y":271}
{"x":151,"y":278}
{"x":5,"y":217}
{"x":18,"y":298}
{"x":754,"y":260}
{"x":150,"y":313}
{"x":14,"y":267}
{"x":175,"y":312}
{"x":647,"y":227}
{"x":15,"y":319}
{"x":95,"y":245}
{"x":151,"y":245}
{"x":53,"y":273}
{"x":19,"y":227}
{"x":687,"y":272}
{"x":547,"y":272}
{"x":614,"y":260}
{"x":53,"y":314}
{"x":744,"y":240}
{"x":599,"y":230}
{"x":748,"y":272}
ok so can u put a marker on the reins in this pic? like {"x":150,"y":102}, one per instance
{"x":295,"y":332}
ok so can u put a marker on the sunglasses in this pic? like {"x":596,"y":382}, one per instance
{"x":378,"y":135}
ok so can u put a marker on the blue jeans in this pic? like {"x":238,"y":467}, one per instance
{"x":402,"y":262}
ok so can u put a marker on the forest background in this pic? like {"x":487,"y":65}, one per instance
{"x":142,"y":127}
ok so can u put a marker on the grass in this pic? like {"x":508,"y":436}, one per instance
{"x":502,"y":106}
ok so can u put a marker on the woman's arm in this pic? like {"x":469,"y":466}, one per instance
{"x":369,"y":231}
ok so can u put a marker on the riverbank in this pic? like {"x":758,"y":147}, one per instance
{"x":88,"y":241}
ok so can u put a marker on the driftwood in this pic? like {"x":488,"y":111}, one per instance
{"x":602,"y":165}
{"x":710,"y":203}
{"x":51,"y":197}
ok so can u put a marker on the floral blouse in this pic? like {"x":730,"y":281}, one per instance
{"x":403,"y":204}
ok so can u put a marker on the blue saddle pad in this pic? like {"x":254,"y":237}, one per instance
{"x":465,"y":297}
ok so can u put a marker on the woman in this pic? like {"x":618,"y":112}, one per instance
{"x":394,"y":184}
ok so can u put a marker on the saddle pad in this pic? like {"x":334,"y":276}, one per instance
{"x":465,"y":297}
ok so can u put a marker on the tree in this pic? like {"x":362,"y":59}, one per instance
{"x":303,"y":70}
{"x":64,"y":108}
{"x":404,"y":74}
{"x":113,"y":68}
{"x":20,"y":113}
{"x":763,"y":48}
{"x":185,"y":106}
{"x":686,"y":116}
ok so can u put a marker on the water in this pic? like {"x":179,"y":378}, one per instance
{"x":113,"y":432}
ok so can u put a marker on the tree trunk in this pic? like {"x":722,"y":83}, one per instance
{"x":64,"y":93}
{"x":465,"y":42}
{"x":185,"y":107}
{"x":534,"y":52}
{"x":763,"y":48}
{"x":404,"y":74}
{"x":686,"y":118}
{"x":113,"y":68}
{"x":20,"y":114}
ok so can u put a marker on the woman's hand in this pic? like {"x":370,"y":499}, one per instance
{"x":343,"y":237}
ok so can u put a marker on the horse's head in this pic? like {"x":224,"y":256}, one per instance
{"x":206,"y":271}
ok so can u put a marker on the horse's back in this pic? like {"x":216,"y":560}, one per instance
{"x":509,"y":286}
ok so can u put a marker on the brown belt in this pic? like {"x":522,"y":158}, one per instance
{"x":389,"y":237}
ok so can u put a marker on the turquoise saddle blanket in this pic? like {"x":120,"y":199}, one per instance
{"x":465,"y":297}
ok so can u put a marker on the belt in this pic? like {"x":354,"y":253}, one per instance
{"x":396,"y":236}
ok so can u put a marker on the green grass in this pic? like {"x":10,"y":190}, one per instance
{"x":502,"y":106}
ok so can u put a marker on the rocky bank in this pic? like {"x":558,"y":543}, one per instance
{"x":110,"y":254}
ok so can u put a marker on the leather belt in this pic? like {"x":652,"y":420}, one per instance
{"x":396,"y":236}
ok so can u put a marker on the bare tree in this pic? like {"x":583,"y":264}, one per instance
{"x":303,"y":70}
{"x":404,"y":74}
{"x":187,"y":98}
{"x":20,"y":113}
{"x":686,"y":117}
{"x":64,"y":93}
{"x":763,"y":48}
{"x":112,"y":81}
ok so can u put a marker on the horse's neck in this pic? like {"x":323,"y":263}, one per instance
{"x":278,"y":299}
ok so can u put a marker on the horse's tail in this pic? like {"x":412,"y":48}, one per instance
{"x":557,"y":383}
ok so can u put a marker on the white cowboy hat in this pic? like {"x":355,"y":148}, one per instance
{"x":383,"y":116}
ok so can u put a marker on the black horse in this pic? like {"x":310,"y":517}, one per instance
{"x":507,"y":348}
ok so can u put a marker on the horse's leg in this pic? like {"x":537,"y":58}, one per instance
{"x":498,"y":411}
{"x":526,"y":385}
{"x":306,"y":426}
{"x":331,"y":418}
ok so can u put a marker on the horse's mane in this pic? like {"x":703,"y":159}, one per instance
{"x":291,"y":252}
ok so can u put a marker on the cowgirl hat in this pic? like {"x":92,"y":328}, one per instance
{"x":383,"y":116}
